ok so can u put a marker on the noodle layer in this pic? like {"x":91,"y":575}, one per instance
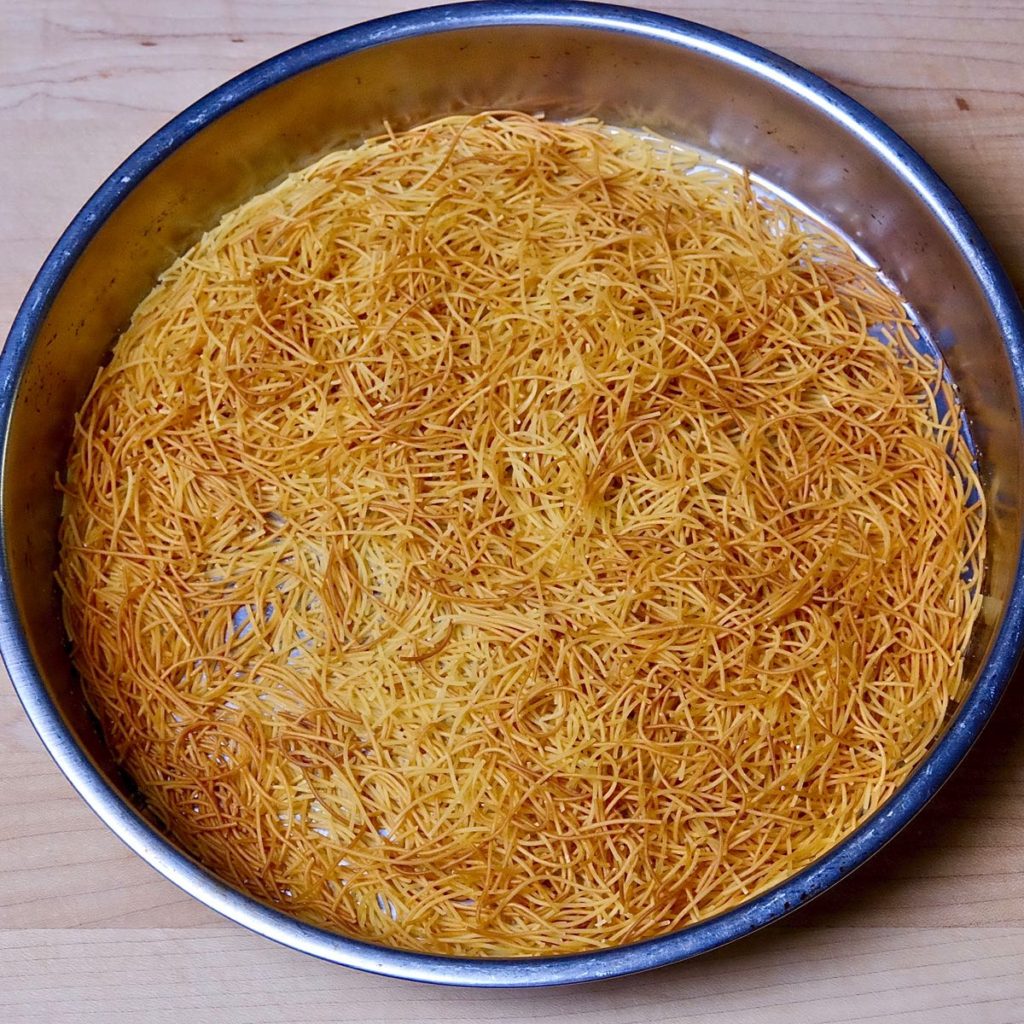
{"x":510,"y":537}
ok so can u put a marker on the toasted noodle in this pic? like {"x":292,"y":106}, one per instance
{"x":509,"y":537}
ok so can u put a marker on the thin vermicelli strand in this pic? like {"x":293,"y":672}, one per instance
{"x":509,"y":537}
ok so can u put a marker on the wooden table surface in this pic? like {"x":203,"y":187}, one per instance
{"x":931,"y":931}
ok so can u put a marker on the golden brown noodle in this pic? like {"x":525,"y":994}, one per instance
{"x":507,"y":537}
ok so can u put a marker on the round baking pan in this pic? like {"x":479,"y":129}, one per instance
{"x":631,"y":68}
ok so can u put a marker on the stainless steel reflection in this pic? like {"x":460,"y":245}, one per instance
{"x":566,"y":60}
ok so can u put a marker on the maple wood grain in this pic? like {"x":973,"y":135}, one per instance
{"x":931,"y":931}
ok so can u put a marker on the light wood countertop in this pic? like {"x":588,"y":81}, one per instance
{"x":931,"y":931}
